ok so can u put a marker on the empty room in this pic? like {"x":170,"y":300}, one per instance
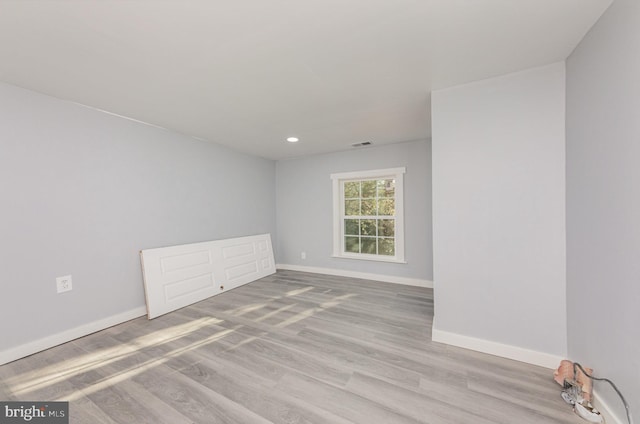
{"x":408,"y":211}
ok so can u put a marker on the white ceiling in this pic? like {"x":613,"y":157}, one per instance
{"x":249,"y":73}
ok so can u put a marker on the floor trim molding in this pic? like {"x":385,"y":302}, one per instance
{"x":606,"y":409}
{"x":355,"y":274}
{"x":498,"y":349}
{"x":15,"y":353}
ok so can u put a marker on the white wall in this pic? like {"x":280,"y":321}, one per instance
{"x":305,"y":206}
{"x":499,"y":214}
{"x":603,"y":202}
{"x":83,"y":191}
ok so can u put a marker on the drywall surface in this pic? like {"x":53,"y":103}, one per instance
{"x":499,"y":210}
{"x":603,"y":202}
{"x":84,"y":191}
{"x":305,"y":208}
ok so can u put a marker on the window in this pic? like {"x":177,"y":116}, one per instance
{"x":368,"y":216}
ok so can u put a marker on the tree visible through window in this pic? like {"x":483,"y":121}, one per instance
{"x":368,"y":215}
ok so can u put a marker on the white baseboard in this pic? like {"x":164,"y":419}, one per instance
{"x":498,"y":349}
{"x":524,"y":355}
{"x":14,"y":353}
{"x":355,"y":274}
{"x":606,"y":410}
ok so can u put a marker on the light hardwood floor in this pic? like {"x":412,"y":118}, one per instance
{"x":290,"y":348}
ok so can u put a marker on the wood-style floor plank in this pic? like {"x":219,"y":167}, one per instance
{"x":292,"y":347}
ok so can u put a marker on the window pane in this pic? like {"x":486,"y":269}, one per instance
{"x":368,"y":227}
{"x":352,"y":207}
{"x":386,"y":228}
{"x":352,"y":190}
{"x":386,"y":207}
{"x":366,"y":214}
{"x":386,"y":188}
{"x":369,"y":207}
{"x":386,"y":246}
{"x":352,"y":227}
{"x":369,"y":188}
{"x":368,"y":245}
{"x":352,"y":244}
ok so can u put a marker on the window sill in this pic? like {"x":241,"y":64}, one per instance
{"x":370,"y":258}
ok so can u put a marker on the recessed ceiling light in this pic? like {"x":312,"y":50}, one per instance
{"x":293,"y":139}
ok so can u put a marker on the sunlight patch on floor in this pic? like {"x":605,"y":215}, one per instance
{"x":336,"y":301}
{"x":299,"y":317}
{"x":273,"y":313}
{"x":246,"y":309}
{"x":131,"y":372}
{"x":104,"y":360}
{"x":55,"y":373}
{"x":299,"y":291}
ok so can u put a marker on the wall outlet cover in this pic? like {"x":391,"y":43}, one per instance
{"x":64,"y":284}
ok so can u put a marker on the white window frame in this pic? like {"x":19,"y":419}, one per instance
{"x":338,"y":180}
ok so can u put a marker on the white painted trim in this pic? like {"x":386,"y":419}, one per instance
{"x":417,"y":282}
{"x":14,"y":353}
{"x":337,"y":225}
{"x":498,"y":349}
{"x":338,"y":212}
{"x":373,"y":173}
{"x":606,"y":410}
{"x":375,"y":258}
{"x":400,"y":228}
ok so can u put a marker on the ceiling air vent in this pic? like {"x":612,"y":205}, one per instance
{"x":366,"y":143}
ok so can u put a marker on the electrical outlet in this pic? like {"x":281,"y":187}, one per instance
{"x":64,"y":284}
{"x":303,"y":255}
